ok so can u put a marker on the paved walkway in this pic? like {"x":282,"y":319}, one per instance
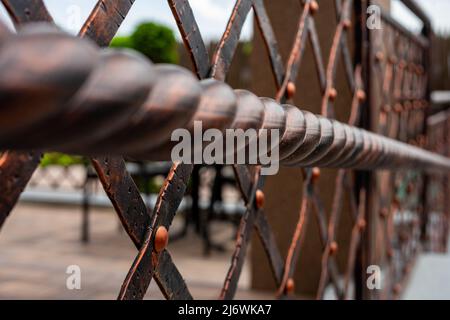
{"x":38,"y":243}
{"x":430,"y":278}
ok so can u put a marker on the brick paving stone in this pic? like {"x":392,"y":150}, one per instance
{"x":38,"y":242}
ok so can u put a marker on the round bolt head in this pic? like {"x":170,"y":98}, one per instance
{"x":161,"y":239}
{"x":397,"y":288}
{"x":332,"y":94}
{"x":361,"y":95}
{"x":333,"y":248}
{"x":314,"y":7}
{"x":362,"y":224}
{"x":393,"y":59}
{"x":347,"y":24}
{"x":315,"y":173}
{"x":384,"y":212}
{"x":416,"y":104}
{"x":259,"y":196}
{"x":379,"y":56}
{"x":290,"y":285}
{"x":420,"y":70}
{"x":290,"y":90}
{"x":398,"y":107}
{"x":390,"y":253}
{"x":408,"y":105}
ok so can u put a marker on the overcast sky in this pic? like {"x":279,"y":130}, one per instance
{"x":211,"y":15}
{"x":437,"y":10}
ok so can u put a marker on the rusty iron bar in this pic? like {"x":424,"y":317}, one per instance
{"x":95,"y":107}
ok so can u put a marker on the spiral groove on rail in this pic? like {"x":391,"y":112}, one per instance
{"x":62,"y":93}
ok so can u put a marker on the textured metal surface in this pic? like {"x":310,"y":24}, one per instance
{"x":400,"y":98}
{"x":173,"y":99}
{"x":435,"y":227}
{"x":136,"y":105}
{"x":16,"y":168}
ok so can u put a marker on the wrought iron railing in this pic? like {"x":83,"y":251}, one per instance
{"x":119,"y":103}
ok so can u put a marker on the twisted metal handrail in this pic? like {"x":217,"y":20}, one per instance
{"x":62,"y":93}
{"x":391,"y":67}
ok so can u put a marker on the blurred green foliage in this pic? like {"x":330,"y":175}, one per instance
{"x":55,"y":158}
{"x":65,"y":160}
{"x":154,"y":40}
{"x":247,"y":48}
{"x":121,"y":42}
{"x":154,"y":184}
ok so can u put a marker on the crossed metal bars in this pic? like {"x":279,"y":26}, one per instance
{"x":142,"y":226}
{"x":399,"y":63}
{"x":435,"y":232}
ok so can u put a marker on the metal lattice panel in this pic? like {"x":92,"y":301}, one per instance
{"x":398,"y":68}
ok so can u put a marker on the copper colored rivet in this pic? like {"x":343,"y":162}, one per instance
{"x":379,"y":56}
{"x":315,"y":173}
{"x":259,"y":199}
{"x":407,"y":269}
{"x":408,"y":105}
{"x":393,"y":59}
{"x":161,"y":239}
{"x":362,"y":224}
{"x":332,"y":93}
{"x":397,"y":288}
{"x":314,"y":7}
{"x":333,"y":247}
{"x":361,"y":95}
{"x":390,"y":253}
{"x":347,"y":24}
{"x":290,"y":285}
{"x":422,"y":140}
{"x":382,"y":117}
{"x":290,"y":90}
{"x":3,"y":158}
{"x":420,"y":70}
{"x":416,"y":104}
{"x":398,"y":107}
